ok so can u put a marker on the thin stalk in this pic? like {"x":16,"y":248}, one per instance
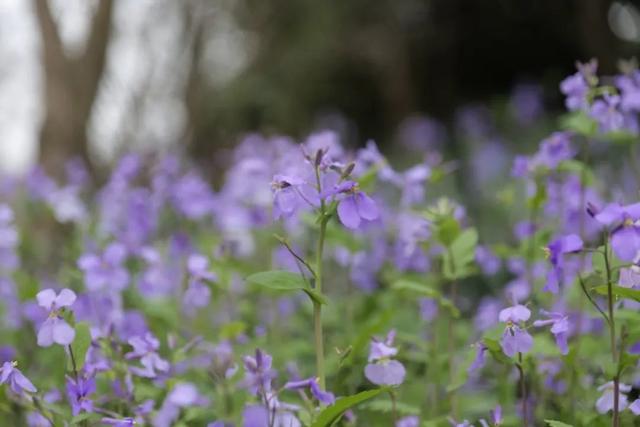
{"x":317,"y":307}
{"x":615,"y":422}
{"x":451,"y":335}
{"x":74,"y":367}
{"x":593,"y":302}
{"x":394,"y":409}
{"x":523,"y":390}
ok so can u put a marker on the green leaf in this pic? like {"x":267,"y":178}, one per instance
{"x":537,"y":200}
{"x":578,"y":168}
{"x":619,"y":291}
{"x":579,"y":122}
{"x":447,"y":230}
{"x":280,"y":280}
{"x":496,"y":351}
{"x":84,"y":417}
{"x":553,"y":423}
{"x":333,"y":413}
{"x":461,"y":254}
{"x":317,"y":296}
{"x":81,"y":344}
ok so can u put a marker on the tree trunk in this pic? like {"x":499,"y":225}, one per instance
{"x":70,"y":87}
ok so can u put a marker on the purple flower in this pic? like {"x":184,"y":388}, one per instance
{"x":192,"y":197}
{"x":555,"y":149}
{"x":555,"y":251}
{"x":119,"y":422}
{"x":146,"y":348}
{"x":576,"y":87}
{"x":496,"y":415}
{"x":606,"y":112}
{"x":629,"y":86}
{"x":520,"y":167}
{"x":78,"y":391}
{"x":559,"y":328}
{"x":290,"y":194}
{"x":604,"y":403}
{"x":382,"y":369}
{"x":621,"y":221}
{"x":486,"y":259}
{"x":515,"y":340}
{"x":55,"y":329}
{"x":355,"y":206}
{"x":408,"y":421}
{"x":183,"y":395}
{"x":105,"y":271}
{"x":198,"y":293}
{"x":258,"y":373}
{"x":324,"y":397}
{"x":515,"y":314}
{"x":16,"y":380}
{"x":478,"y":361}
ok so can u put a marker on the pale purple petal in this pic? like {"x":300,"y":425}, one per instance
{"x":46,"y":298}
{"x":115,"y":253}
{"x":348,"y":213}
{"x":63,"y":334}
{"x":571,"y":243}
{"x":626,"y":243}
{"x":23,"y":382}
{"x":65,"y":298}
{"x":389,"y":372}
{"x":610,"y":215}
{"x":88,"y":262}
{"x":367,"y":208}
{"x":45,"y":334}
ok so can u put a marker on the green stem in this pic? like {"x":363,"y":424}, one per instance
{"x":317,"y":307}
{"x":615,"y":422}
{"x":523,"y":391}
{"x":74,"y":367}
{"x":394,"y":406}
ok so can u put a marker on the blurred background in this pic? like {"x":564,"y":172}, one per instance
{"x":99,"y":78}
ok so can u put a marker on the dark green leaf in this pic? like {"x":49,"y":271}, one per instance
{"x":553,"y":423}
{"x":278,"y":280}
{"x":619,"y":291}
{"x":333,"y":413}
{"x":458,"y":258}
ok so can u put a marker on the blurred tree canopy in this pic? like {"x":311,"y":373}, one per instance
{"x":372,"y":63}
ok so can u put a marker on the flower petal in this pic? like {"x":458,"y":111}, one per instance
{"x":348,"y":213}
{"x":65,"y":298}
{"x":63,"y":334}
{"x":46,"y":298}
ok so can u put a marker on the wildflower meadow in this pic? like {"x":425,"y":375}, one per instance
{"x":321,"y":283}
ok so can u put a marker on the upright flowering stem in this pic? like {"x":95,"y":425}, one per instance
{"x":451,"y":335}
{"x":612,"y":336}
{"x":317,"y":307}
{"x":523,"y":390}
